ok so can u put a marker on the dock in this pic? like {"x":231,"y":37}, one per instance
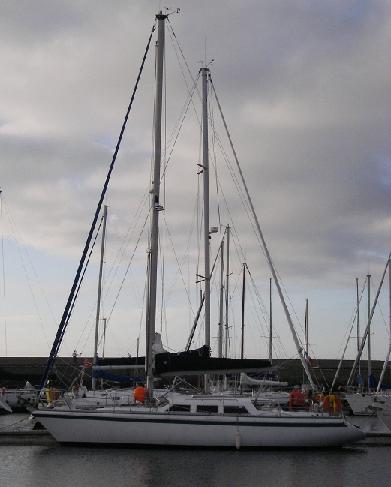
{"x":27,"y":438}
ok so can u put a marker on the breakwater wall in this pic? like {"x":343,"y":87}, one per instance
{"x":15,"y":371}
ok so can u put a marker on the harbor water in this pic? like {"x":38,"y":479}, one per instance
{"x":64,"y":466}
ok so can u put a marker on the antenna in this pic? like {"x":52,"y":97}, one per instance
{"x":171,"y":11}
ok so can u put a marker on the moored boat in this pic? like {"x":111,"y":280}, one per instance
{"x":179,"y":419}
{"x":199,"y":421}
{"x":15,"y":400}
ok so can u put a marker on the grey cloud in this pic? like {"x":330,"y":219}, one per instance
{"x":304,"y":87}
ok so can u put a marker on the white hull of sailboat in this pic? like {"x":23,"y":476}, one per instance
{"x":371,"y":412}
{"x":167,"y":429}
{"x":369,"y":424}
{"x":18,"y":399}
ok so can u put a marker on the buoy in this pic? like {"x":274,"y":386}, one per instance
{"x":139,"y":394}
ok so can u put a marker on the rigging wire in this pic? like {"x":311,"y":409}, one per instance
{"x":173,"y":140}
{"x":240,"y":191}
{"x":247,"y":209}
{"x":82,"y":275}
{"x":162,"y":270}
{"x":186,"y":252}
{"x":108,"y":319}
{"x":93,"y":308}
{"x":143,"y":307}
{"x":236,"y":239}
{"x":122,"y":250}
{"x":193,"y":229}
{"x":2,"y":242}
{"x":370,"y":318}
{"x":241,"y":254}
{"x":242,"y":197}
{"x":296,"y":338}
{"x":238,"y":247}
{"x":199,"y":218}
{"x":196,"y":319}
{"x":174,"y":37}
{"x":24,"y":262}
{"x":3,"y":269}
{"x":69,"y":306}
{"x":127,"y":269}
{"x":214,"y":163}
{"x":179,"y":127}
{"x":262,"y":307}
{"x":165,"y":126}
{"x":17,"y":235}
{"x":348,"y":334}
{"x":179,"y":265}
{"x":349,"y":328}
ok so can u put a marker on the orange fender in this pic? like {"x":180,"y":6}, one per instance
{"x":139,"y":394}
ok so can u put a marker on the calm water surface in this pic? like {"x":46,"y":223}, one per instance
{"x":60,"y":466}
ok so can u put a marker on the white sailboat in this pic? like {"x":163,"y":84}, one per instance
{"x":199,"y":421}
{"x":13,"y":400}
{"x":196,"y":420}
{"x":371,"y":410}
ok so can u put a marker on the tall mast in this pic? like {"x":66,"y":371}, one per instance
{"x":306,"y":326}
{"x":228,"y":231}
{"x":358,"y":327}
{"x":243,"y":308}
{"x":270,"y":322}
{"x":156,"y":207}
{"x":389,"y":343}
{"x":369,"y":333}
{"x":221,"y":303}
{"x":205,"y":167}
{"x":102,"y":254}
{"x":366,"y":330}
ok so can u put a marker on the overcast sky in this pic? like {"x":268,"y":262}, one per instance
{"x":305,"y":88}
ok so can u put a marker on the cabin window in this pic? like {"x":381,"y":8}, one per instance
{"x":207,"y":409}
{"x":180,"y":407}
{"x":259,"y":405}
{"x":235,"y":410}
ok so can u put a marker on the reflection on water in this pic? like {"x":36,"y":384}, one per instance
{"x":61,"y":466}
